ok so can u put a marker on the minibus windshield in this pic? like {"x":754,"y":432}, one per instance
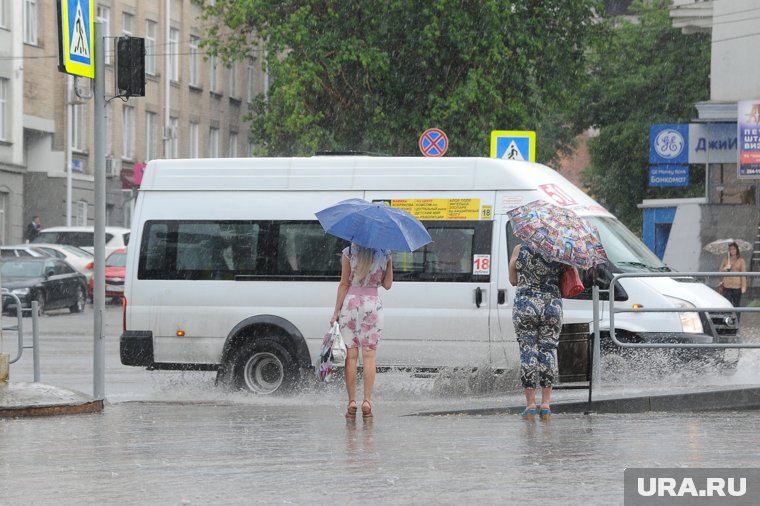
{"x":624,"y":249}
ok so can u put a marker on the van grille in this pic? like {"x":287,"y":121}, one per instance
{"x":721,"y":325}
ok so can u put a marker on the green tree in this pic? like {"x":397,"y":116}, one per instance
{"x":642,"y":72}
{"x":372,"y":76}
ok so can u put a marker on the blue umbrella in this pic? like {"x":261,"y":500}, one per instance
{"x":374,"y":225}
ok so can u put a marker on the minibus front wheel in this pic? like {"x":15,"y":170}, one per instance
{"x":264,"y":367}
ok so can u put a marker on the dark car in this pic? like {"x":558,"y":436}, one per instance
{"x":52,"y":282}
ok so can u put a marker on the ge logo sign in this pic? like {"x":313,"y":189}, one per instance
{"x":669,"y":143}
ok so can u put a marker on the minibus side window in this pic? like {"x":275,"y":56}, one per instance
{"x":449,"y":257}
{"x":303,"y":249}
{"x":198,"y":250}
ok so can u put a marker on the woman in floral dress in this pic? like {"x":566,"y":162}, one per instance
{"x":359,"y":311}
{"x":537,"y":316}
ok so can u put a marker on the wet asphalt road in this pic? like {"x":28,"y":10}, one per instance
{"x":173,"y":438}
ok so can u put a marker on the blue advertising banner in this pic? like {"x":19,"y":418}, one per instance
{"x":669,"y":143}
{"x":668,"y":175}
{"x":748,"y":131}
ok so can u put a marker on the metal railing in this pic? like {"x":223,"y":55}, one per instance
{"x":616,"y":310}
{"x":596,"y":318}
{"x":19,"y":329}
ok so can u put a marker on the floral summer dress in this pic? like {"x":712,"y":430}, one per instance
{"x":361,"y":317}
{"x":537,"y":316}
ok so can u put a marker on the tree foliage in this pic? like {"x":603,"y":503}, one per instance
{"x":372,"y":76}
{"x":642,"y":72}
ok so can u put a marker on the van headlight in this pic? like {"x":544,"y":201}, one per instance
{"x":690,"y":321}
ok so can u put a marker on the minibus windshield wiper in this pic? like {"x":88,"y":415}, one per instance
{"x":645,"y":266}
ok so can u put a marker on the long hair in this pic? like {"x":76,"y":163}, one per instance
{"x":364,"y":257}
{"x":738,"y":253}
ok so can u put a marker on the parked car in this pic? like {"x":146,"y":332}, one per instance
{"x":78,"y":258}
{"x":52,"y":282}
{"x":22,"y":250}
{"x":116,"y":271}
{"x":83,"y":237}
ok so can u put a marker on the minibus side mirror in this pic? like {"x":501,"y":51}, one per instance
{"x":601,"y":276}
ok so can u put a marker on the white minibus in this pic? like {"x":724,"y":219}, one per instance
{"x":230,"y":271}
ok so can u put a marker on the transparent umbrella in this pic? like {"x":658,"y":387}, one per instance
{"x":720,"y":247}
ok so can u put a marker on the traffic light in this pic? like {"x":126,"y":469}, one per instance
{"x":130,"y":67}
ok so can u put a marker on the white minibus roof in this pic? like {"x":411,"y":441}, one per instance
{"x":363,"y":173}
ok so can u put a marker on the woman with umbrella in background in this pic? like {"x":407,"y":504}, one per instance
{"x":374,"y":230}
{"x":554,"y":239}
{"x":734,"y":286}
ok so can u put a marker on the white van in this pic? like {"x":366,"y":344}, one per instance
{"x":230,"y":270}
{"x":83,"y":237}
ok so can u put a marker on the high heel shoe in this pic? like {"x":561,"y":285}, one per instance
{"x":529,"y":414}
{"x":367,"y":409}
{"x":351,"y":410}
{"x":545,"y":413}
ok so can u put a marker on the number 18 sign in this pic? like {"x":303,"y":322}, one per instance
{"x":481,"y":264}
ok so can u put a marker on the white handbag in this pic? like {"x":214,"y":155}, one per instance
{"x":338,"y":347}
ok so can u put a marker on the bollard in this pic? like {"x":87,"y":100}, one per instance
{"x":4,"y":369}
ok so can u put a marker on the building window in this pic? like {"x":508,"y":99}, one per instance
{"x":30,"y":22}
{"x":151,"y":28}
{"x":79,"y":127}
{"x":213,"y":142}
{"x":3,"y":109}
{"x":81,"y":215}
{"x":174,"y":138}
{"x":173,"y":54}
{"x":4,"y":222}
{"x":104,"y":16}
{"x":250,"y":80}
{"x":4,"y":13}
{"x":194,"y":60}
{"x":127,"y":23}
{"x":128,"y":144}
{"x":212,"y":69}
{"x":151,"y":124}
{"x":232,"y":75}
{"x":194,"y":140}
{"x":233,"y":147}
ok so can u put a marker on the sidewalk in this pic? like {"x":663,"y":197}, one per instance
{"x":39,"y":399}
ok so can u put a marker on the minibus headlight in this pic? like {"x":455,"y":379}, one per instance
{"x":690,"y":321}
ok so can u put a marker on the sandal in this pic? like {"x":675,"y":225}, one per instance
{"x":529,"y":414}
{"x":545,"y":413}
{"x":351,"y":411}
{"x":367,"y":409}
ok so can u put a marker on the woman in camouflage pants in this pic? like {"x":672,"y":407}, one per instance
{"x":537,"y":317}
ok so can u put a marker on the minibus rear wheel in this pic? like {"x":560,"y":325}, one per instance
{"x":264,"y":367}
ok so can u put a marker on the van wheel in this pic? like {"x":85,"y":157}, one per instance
{"x":78,"y":306}
{"x":264,"y":367}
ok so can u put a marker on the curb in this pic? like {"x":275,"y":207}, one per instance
{"x":731,"y":399}
{"x":38,"y":399}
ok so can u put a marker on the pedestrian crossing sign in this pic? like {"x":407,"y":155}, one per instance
{"x":76,"y":38}
{"x":513,"y":145}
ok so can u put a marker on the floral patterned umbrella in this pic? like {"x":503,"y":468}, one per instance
{"x":558,"y":234}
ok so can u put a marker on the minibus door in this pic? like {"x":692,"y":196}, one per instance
{"x":503,"y":346}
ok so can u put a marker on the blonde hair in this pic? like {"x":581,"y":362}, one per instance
{"x":364,"y":257}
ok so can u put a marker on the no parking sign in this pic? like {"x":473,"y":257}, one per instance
{"x":433,"y":142}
